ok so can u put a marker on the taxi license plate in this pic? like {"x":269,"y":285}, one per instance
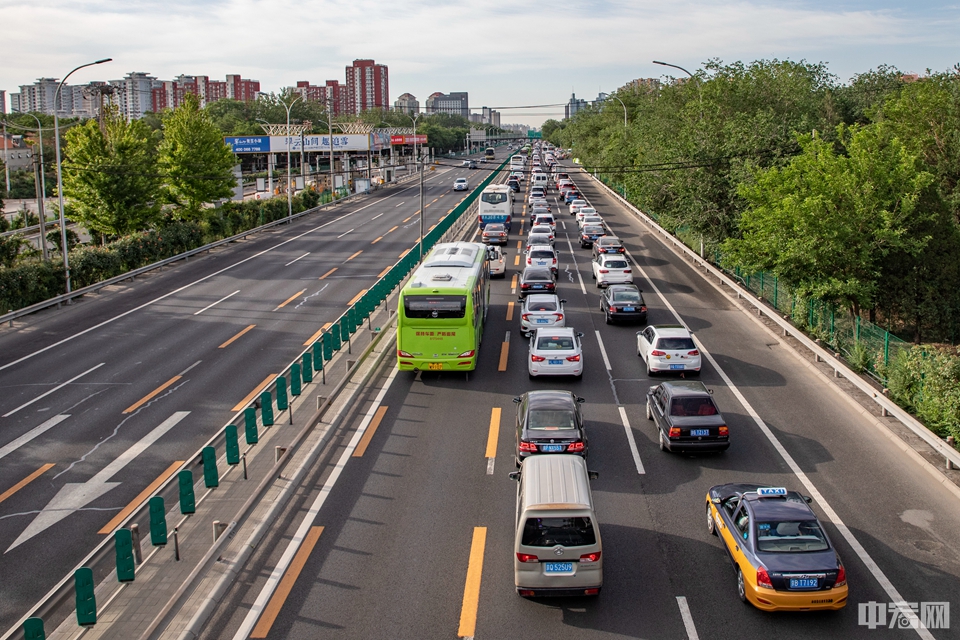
{"x":676,"y":366}
{"x":542,"y":321}
{"x":557,"y":567}
{"x":551,"y":448}
{"x":803,"y":583}
{"x":629,"y":309}
{"x":699,"y":432}
{"x":435,"y":366}
{"x":554,"y":361}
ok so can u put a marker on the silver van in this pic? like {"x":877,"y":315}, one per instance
{"x":557,"y":544}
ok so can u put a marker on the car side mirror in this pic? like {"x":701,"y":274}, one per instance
{"x":581,"y":400}
{"x":593,"y":475}
{"x":807,"y":499}
{"x":516,"y":399}
{"x":514,"y":475}
{"x":563,"y":302}
{"x":579,"y":335}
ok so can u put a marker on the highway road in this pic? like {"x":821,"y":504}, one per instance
{"x":414,"y":538}
{"x":100,"y":399}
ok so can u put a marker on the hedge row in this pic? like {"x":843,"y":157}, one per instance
{"x":926,"y":382}
{"x":32,"y":282}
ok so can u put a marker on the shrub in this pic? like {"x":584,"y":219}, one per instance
{"x":28,"y":284}
{"x":89,"y":265}
{"x":926,"y":381}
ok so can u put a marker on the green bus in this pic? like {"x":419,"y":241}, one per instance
{"x":442,"y":309}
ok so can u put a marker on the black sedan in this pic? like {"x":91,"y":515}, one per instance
{"x":686,"y":417}
{"x":536,"y":280}
{"x":549,"y":422}
{"x":623,"y":302}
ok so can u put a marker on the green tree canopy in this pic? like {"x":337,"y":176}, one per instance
{"x":196,"y":164}
{"x":110,"y":175}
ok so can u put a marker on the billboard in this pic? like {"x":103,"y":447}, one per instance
{"x":249,"y":144}
{"x":311,"y":142}
{"x":419,"y":139}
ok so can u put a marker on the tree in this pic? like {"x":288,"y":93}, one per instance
{"x":549,"y":128}
{"x":196,"y":164}
{"x":110,"y":175}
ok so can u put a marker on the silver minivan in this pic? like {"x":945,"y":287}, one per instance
{"x":557,"y":548}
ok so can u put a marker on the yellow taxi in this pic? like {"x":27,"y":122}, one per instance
{"x":783,"y":558}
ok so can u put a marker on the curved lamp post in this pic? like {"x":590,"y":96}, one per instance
{"x":420,"y":169}
{"x":289,"y":194}
{"x":56,"y":133}
{"x":42,"y":195}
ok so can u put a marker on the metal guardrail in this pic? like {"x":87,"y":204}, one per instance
{"x":888,"y":407}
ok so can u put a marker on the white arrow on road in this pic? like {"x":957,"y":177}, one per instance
{"x":76,"y":495}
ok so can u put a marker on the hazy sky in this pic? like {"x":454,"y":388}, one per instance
{"x":503,"y":52}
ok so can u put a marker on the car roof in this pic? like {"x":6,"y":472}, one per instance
{"x":791,"y":507}
{"x":591,"y":227}
{"x":556,"y":481}
{"x":617,"y":288}
{"x":609,"y":240}
{"x":534,"y":298}
{"x":550,"y":398}
{"x":556,"y":331}
{"x":671,"y":330}
{"x":685,"y":388}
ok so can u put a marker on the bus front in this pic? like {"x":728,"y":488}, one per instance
{"x":436,"y":331}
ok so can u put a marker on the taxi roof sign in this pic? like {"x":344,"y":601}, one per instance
{"x":771,"y":492}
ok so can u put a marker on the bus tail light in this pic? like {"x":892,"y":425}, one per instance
{"x":403,"y":354}
{"x":674,"y":432}
{"x":527,"y":557}
{"x":467,"y":354}
{"x":575,"y":358}
{"x":590,"y":557}
{"x":535,"y":358}
{"x":575,"y":447}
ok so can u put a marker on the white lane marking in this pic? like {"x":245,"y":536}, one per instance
{"x":184,"y":372}
{"x":563,"y":224}
{"x":210,"y":306}
{"x":308,"y":519}
{"x":398,"y":205}
{"x":295,"y":259}
{"x":183,"y":288}
{"x":76,"y":495}
{"x":603,"y":352}
{"x":30,"y":435}
{"x":343,"y":234}
{"x":808,"y":485}
{"x":579,"y":277}
{"x":56,"y":388}
{"x":375,"y":217}
{"x":631,"y":441}
{"x":687,"y":618}
{"x":490,"y":462}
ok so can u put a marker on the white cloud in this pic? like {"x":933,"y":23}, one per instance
{"x":502,"y":52}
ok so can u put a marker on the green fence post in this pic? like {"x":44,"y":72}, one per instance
{"x":188,"y":503}
{"x":86,"y":600}
{"x":856,"y":335}
{"x":761,"y":283}
{"x":345,"y":327}
{"x":33,"y":629}
{"x":282,"y":403}
{"x":250,"y":425}
{"x":833,"y":325}
{"x":810,"y":305}
{"x":211,"y":478}
{"x":886,"y":348}
{"x":158,"y":522}
{"x":123,"y":543}
{"x":232,"y":444}
{"x":295,"y":377}
{"x":266,"y":409}
{"x":335,"y":333}
{"x":776,"y":291}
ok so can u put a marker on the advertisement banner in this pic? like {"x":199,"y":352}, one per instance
{"x":248,"y":144}
{"x":312,"y":142}
{"x":419,"y":139}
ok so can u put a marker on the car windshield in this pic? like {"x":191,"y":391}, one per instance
{"x":693,"y":407}
{"x":461,"y":180}
{"x":541,"y":228}
{"x":550,"y":419}
{"x":494,"y":198}
{"x":537,"y":276}
{"x":592,"y":229}
{"x":626,"y":296}
{"x":615,"y":264}
{"x":550,"y":532}
{"x":675,"y":344}
{"x":541,"y":254}
{"x":791,"y":536}
{"x":555,"y":343}
{"x":494,"y":227}
{"x":542,"y":305}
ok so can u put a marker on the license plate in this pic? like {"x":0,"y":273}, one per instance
{"x":551,"y":448}
{"x":676,"y":366}
{"x":542,"y":321}
{"x":557,"y":567}
{"x":554,"y":361}
{"x":803,"y":583}
{"x":699,"y":432}
{"x":538,"y":286}
{"x":629,"y":309}
{"x":435,"y":366}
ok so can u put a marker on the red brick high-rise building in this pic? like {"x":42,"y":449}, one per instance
{"x":368,"y":86}
{"x":168,"y":94}
{"x":332,"y":90}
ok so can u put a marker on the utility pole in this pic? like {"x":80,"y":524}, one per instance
{"x":6,"y":161}
{"x":330,"y":130}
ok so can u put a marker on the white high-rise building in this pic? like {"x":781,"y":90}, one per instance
{"x":134,"y":94}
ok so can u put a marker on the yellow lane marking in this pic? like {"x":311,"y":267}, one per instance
{"x":504,"y":353}
{"x":328,"y":273}
{"x":231,"y":340}
{"x":451,"y":211}
{"x":471,"y":590}
{"x":519,"y":245}
{"x":368,"y":435}
{"x":354,"y":256}
{"x":377,"y":240}
{"x":147,"y":398}
{"x":431,"y":228}
{"x":291,"y":299}
{"x":392,"y":230}
{"x":384,"y":272}
{"x":510,"y":311}
{"x":434,"y":200}
{"x":30,"y":478}
{"x":494,"y":433}
{"x":356,"y":297}
{"x":516,"y":260}
{"x":140,"y":499}
{"x":513,"y":284}
{"x":405,"y":253}
{"x":317,"y":335}
{"x":272,"y":610}
{"x":441,"y":195}
{"x":253,"y":394}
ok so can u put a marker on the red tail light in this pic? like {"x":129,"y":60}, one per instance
{"x":693,"y":353}
{"x":554,"y":260}
{"x":613,"y":309}
{"x":403,"y":354}
{"x":604,"y":271}
{"x":524,"y":286}
{"x":529,"y":260}
{"x":763,"y":579}
{"x":674,"y":432}
{"x":626,"y":270}
{"x":529,"y":447}
{"x":573,"y":358}
{"x":467,"y":354}
{"x":590,"y":557}
{"x":535,"y":358}
{"x":575,"y":447}
{"x":527,"y":557}
{"x":724,"y":431}
{"x":525,"y":316}
{"x":643,"y":308}
{"x":841,"y":576}
{"x":658,"y":353}
{"x":559,"y":316}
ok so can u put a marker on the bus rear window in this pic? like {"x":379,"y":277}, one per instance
{"x":493,"y":198}
{"x":550,"y":532}
{"x":434,"y":306}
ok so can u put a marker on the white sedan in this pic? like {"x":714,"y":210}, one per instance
{"x":575,"y":206}
{"x":555,"y":351}
{"x":498,"y":264}
{"x":591,"y":220}
{"x":461,"y":184}
{"x":540,"y":310}
{"x":668,"y":347}
{"x":612,"y":269}
{"x":585,"y":211}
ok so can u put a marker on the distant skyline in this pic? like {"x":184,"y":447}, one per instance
{"x":504,"y":53}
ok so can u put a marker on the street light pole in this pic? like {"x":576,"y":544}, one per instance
{"x":330,"y":140}
{"x":56,"y":134}
{"x":6,"y":157}
{"x":289,"y":190}
{"x":624,"y":110}
{"x":42,"y":191}
{"x":699,"y":93}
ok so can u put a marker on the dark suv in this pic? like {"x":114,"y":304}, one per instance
{"x":687,"y":419}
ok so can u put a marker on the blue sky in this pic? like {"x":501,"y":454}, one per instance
{"x":503,"y":52}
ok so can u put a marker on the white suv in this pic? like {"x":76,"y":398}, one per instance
{"x":461,"y":184}
{"x":612,"y":269}
{"x":668,"y":347}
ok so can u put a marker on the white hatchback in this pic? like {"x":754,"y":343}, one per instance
{"x":540,"y":310}
{"x":591,"y":220}
{"x":585,"y":211}
{"x":612,"y":269}
{"x":668,"y":347}
{"x":555,"y":352}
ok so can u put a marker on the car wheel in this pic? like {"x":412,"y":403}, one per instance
{"x":650,"y":372}
{"x":711,"y":525}
{"x":649,"y":413}
{"x":608,"y":318}
{"x":663,"y":445}
{"x":741,"y":587}
{"x":593,"y":275}
{"x":531,"y":376}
